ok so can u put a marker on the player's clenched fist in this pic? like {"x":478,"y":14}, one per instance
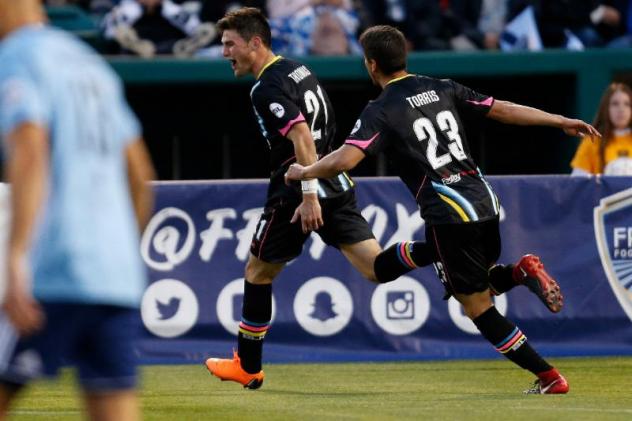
{"x":295,"y":172}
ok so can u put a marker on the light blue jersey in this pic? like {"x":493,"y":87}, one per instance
{"x":85,"y":248}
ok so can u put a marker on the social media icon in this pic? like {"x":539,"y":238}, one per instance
{"x":169,"y":308}
{"x":400,"y":305}
{"x":323,"y":306}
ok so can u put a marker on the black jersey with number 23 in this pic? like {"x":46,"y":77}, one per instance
{"x":416,"y":122}
{"x":287,"y":93}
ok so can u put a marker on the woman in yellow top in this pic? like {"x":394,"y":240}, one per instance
{"x":612,"y":155}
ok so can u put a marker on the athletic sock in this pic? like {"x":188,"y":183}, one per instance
{"x":401,"y":258}
{"x":255,"y":322}
{"x":510,"y":341}
{"x":501,"y":279}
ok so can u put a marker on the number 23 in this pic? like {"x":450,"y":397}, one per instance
{"x":424,"y":129}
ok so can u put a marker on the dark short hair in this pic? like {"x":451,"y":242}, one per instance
{"x":247,"y":22}
{"x":387,"y":46}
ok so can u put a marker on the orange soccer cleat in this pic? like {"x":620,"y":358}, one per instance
{"x":230,"y":369}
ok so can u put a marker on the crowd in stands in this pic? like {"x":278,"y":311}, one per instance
{"x":331,"y":27}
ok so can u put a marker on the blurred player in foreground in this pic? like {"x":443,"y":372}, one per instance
{"x":78,"y":171}
{"x":416,"y":122}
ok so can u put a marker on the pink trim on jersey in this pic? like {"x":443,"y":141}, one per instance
{"x":291,"y":123}
{"x":488,"y":102}
{"x":362,"y":144}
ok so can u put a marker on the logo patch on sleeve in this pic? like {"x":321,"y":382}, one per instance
{"x":356,"y":127}
{"x":277,"y":109}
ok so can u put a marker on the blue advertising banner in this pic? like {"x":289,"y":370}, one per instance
{"x":198,"y":240}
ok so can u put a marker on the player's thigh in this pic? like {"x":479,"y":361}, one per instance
{"x":112,"y":406}
{"x":259,"y":272}
{"x":462,"y":257}
{"x":105,"y":356}
{"x":344,"y":223}
{"x":276,"y":240}
{"x":362,"y":256}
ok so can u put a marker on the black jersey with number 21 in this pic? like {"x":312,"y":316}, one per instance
{"x":416,"y":122}
{"x":287,"y":93}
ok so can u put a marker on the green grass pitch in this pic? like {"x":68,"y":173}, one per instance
{"x":601,"y":389}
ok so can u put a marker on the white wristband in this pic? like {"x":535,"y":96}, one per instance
{"x":310,"y":186}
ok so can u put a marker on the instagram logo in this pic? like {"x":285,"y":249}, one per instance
{"x":400,"y":305}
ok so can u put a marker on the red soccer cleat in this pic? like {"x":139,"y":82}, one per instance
{"x":529,"y":271}
{"x":230,"y":369}
{"x":549,"y":383}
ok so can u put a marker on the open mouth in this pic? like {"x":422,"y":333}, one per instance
{"x":233,"y":63}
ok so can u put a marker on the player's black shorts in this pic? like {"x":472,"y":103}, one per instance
{"x":276,"y":240}
{"x":464,"y":254}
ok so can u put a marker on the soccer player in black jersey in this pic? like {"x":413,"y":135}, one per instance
{"x":416,"y":121}
{"x":297,"y":120}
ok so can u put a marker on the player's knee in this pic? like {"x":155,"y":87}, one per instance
{"x":258,"y":274}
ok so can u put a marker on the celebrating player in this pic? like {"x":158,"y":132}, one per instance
{"x":297,"y":120}
{"x":416,"y":121}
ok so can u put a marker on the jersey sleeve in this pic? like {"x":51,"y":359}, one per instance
{"x":469,"y":100}
{"x":587,"y":156}
{"x":370,"y":132}
{"x":21,"y":102}
{"x":278,"y":112}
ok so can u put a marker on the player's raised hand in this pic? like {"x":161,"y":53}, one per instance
{"x":574,"y":127}
{"x":309,"y":213}
{"x":294,"y":172}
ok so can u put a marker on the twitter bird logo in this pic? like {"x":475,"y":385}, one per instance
{"x":169,"y":309}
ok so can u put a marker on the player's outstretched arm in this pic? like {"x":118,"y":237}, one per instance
{"x":140,"y":172}
{"x":342,"y":159}
{"x":508,"y":112}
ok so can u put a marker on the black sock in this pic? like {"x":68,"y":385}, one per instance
{"x":510,"y":341}
{"x":501,"y":279}
{"x":255,"y":321}
{"x":401,"y":258}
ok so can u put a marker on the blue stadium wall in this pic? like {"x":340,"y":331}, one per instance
{"x":197,"y":242}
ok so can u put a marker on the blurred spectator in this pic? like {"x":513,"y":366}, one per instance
{"x":150,"y":27}
{"x":424,"y":26}
{"x":612,"y":154}
{"x":593,"y":22}
{"x":320,"y":27}
{"x":475,"y":24}
{"x":625,"y":40}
